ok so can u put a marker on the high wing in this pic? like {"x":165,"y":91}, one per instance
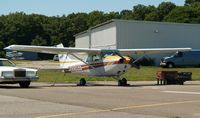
{"x":51,"y":49}
{"x":64,"y":50}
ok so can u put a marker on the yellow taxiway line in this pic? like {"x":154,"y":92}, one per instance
{"x":119,"y":108}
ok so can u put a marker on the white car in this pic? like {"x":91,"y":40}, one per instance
{"x":10,"y":74}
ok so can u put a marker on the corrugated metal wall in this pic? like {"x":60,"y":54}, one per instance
{"x":136,"y":34}
{"x":139,"y":34}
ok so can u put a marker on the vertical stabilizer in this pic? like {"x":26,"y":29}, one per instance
{"x":62,"y":57}
{"x":66,"y":60}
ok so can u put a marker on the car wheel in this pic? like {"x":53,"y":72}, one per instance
{"x":170,"y":65}
{"x":24,"y":84}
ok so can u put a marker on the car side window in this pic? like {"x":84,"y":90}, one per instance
{"x":180,"y":54}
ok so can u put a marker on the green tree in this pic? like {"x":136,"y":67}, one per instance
{"x":111,"y":15}
{"x":126,"y":14}
{"x":140,"y":11}
{"x":38,"y":41}
{"x":95,"y":18}
{"x":11,"y":42}
{"x":2,"y":53}
{"x":189,"y":2}
{"x":179,"y":14}
{"x":153,"y":16}
{"x":185,"y":14}
{"x":164,"y":9}
{"x":195,"y":16}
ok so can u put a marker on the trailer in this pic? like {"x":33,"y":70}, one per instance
{"x":172,"y":77}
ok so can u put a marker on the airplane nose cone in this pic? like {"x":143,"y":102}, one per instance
{"x":129,"y":60}
{"x":125,"y":60}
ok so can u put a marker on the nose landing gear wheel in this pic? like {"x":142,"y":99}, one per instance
{"x":122,"y":82}
{"x":82,"y":82}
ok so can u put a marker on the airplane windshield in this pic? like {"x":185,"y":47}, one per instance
{"x":110,"y":53}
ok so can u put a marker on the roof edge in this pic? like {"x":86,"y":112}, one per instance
{"x":99,"y":25}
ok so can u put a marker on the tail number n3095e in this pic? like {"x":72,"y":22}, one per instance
{"x":76,"y":68}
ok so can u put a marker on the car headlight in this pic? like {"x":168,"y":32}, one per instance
{"x":7,"y":74}
{"x":31,"y":73}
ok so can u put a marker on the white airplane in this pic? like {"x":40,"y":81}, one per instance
{"x":95,"y":62}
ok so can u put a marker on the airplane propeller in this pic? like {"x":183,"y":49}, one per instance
{"x":134,"y":63}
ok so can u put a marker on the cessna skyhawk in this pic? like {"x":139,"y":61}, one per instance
{"x":98,"y":62}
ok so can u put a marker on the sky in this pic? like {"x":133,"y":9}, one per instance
{"x":65,"y":7}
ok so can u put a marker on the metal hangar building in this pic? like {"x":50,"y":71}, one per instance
{"x":130,"y":34}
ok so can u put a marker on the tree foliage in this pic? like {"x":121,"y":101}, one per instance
{"x":185,"y":14}
{"x":35,"y":29}
{"x":189,"y":2}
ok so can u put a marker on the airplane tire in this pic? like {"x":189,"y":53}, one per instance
{"x":24,"y":84}
{"x":82,"y":82}
{"x":124,"y":82}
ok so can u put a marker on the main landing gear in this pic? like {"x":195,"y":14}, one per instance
{"x":82,"y":82}
{"x":122,"y":82}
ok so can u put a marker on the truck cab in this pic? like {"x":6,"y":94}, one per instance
{"x":181,"y":59}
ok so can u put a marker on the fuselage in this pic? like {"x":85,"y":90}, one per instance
{"x":107,"y":66}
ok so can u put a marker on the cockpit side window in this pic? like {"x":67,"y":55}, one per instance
{"x":94,"y":58}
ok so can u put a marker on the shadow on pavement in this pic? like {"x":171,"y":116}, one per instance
{"x":18,"y":87}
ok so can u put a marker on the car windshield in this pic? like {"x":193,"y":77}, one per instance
{"x":174,"y":55}
{"x":6,"y":63}
{"x":177,"y":54}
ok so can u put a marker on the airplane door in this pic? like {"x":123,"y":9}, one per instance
{"x":95,"y":60}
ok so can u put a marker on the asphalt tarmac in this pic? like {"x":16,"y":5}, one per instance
{"x":101,"y":100}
